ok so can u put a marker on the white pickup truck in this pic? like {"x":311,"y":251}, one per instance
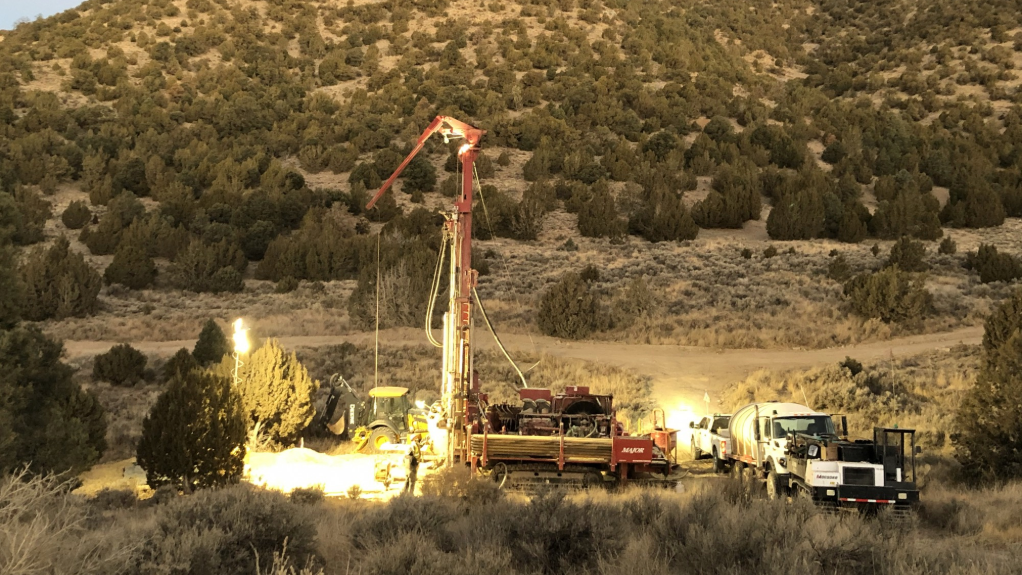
{"x":710,"y":437}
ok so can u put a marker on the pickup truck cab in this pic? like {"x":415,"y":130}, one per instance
{"x":710,"y":437}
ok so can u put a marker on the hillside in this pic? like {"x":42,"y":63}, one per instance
{"x":219,"y":146}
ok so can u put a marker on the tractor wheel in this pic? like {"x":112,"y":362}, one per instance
{"x":696,"y":453}
{"x":380,"y":437}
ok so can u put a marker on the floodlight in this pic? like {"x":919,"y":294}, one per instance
{"x":241,"y":345}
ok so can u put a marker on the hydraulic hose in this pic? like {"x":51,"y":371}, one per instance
{"x":433,"y":293}
{"x":503,"y":350}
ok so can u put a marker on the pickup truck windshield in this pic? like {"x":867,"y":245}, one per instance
{"x":816,"y":425}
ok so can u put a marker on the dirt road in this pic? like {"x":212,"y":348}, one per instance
{"x":680,"y":374}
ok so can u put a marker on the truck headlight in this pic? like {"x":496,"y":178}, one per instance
{"x":903,"y":496}
{"x":831,"y":493}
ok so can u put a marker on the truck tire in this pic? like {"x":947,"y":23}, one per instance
{"x":380,"y":437}
{"x":738,"y":471}
{"x":718,"y":463}
{"x":695,"y":451}
{"x":772,"y":489}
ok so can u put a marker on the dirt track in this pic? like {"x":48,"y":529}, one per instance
{"x":680,"y":374}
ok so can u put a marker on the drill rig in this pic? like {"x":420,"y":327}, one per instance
{"x":571,"y":437}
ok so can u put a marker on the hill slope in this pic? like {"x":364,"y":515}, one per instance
{"x":252,"y":131}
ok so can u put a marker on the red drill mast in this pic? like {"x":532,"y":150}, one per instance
{"x":459,"y":379}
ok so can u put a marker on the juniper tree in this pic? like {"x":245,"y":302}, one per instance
{"x":993,"y":266}
{"x":838,"y":269}
{"x":59,"y":283}
{"x":181,"y":362}
{"x":908,"y":212}
{"x":212,"y":344}
{"x":890,"y":295}
{"x":734,"y":200}
{"x":104,"y":238}
{"x":569,"y":309}
{"x":406,"y":273}
{"x":988,"y":424}
{"x":22,"y":216}
{"x":122,"y":365}
{"x":194,"y":436}
{"x":420,"y":175}
{"x":76,"y":215}
{"x":131,"y":267}
{"x":598,"y":217}
{"x":671,"y":221}
{"x":798,"y":215}
{"x":619,"y":161}
{"x":209,"y":267}
{"x":973,"y":204}
{"x":47,"y":421}
{"x":657,"y":212}
{"x":908,"y":255}
{"x":947,"y":246}
{"x":277,"y":392}
{"x":852,"y":229}
{"x":12,"y":291}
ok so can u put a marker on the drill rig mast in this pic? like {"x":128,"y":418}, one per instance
{"x":459,"y":379}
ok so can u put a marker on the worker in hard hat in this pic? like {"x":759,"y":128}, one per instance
{"x":412,"y":458}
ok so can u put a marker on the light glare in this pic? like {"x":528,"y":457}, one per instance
{"x":679,"y":417}
{"x":335,"y":474}
{"x":241,"y":345}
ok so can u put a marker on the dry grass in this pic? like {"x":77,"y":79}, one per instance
{"x":707,"y":294}
{"x":169,"y":315}
{"x":467,"y":526}
{"x":45,"y":529}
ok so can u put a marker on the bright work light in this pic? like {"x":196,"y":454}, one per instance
{"x":240,"y":336}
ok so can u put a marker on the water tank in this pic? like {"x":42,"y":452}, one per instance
{"x":743,"y":424}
